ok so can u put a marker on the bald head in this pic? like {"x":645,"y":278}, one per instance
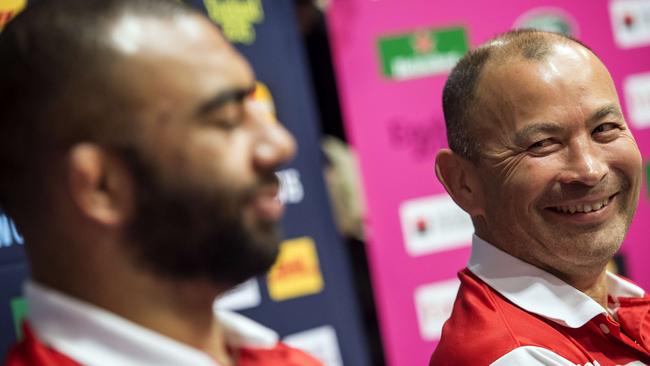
{"x":58,"y":77}
{"x":461,"y":100}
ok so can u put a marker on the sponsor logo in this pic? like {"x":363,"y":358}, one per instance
{"x":319,"y":342}
{"x":244,"y":296}
{"x":8,"y":234}
{"x":637,"y":98}
{"x":19,"y":313}
{"x":433,"y":305}
{"x":549,"y":19}
{"x":296,"y":272}
{"x":422,"y":53}
{"x":432,"y":224}
{"x":423,"y":138}
{"x":291,"y":188}
{"x":630,"y":22}
{"x":236,"y":18}
{"x":9,"y":9}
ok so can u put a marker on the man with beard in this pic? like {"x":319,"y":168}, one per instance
{"x":141,"y":175}
{"x":543,"y":161}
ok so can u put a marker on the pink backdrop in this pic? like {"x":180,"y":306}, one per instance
{"x":397,"y":125}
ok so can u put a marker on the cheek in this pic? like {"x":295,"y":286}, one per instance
{"x":625,"y":157}
{"x":527,"y":183}
{"x":212,"y":159}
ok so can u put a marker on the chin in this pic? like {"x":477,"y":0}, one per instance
{"x":592,"y":252}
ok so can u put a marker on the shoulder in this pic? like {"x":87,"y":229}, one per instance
{"x":484,"y":327}
{"x":476,"y":333}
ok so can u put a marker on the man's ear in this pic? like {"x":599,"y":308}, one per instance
{"x":100,"y":185}
{"x":461,"y":180}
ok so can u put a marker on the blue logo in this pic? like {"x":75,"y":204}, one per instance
{"x":8,"y":234}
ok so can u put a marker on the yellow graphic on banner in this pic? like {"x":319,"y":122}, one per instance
{"x":296,"y":272}
{"x":262,"y":96}
{"x":236,"y":18}
{"x":9,"y":9}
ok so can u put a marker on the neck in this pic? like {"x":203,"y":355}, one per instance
{"x":594,"y":286}
{"x":591,"y":279}
{"x":181,"y":310}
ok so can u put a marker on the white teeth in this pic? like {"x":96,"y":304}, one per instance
{"x":583,"y":208}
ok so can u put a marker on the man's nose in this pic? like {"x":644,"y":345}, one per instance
{"x":275,"y":145}
{"x":585,"y":164}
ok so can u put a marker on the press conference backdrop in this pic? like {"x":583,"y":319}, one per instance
{"x":307,"y":296}
{"x":392,"y":59}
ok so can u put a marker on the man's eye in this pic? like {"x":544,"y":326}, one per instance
{"x":227,"y":124}
{"x":541,"y":144}
{"x":605,"y":127}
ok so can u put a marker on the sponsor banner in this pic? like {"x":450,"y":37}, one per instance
{"x":296,"y":272}
{"x":320,"y":342}
{"x":244,"y":296}
{"x":630,"y":22}
{"x":265,"y":32}
{"x":396,"y":128}
{"x":421,"y":53}
{"x":432,"y":224}
{"x":637,"y":99}
{"x":433,"y":305}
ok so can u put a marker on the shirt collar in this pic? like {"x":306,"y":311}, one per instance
{"x":538,"y":291}
{"x":95,"y":337}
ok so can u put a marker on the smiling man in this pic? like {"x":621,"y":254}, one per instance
{"x":142,"y":178}
{"x":543,"y":161}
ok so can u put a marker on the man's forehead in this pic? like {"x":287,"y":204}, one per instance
{"x":183,"y":43}
{"x":169,"y":66}
{"x":133,"y":34}
{"x":566,"y":67}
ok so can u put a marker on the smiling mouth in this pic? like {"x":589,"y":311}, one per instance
{"x":583,"y":208}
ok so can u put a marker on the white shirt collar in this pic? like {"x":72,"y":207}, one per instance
{"x":538,"y":291}
{"x":95,"y":337}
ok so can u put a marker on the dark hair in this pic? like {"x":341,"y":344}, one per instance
{"x":459,"y":101}
{"x":56,"y":85}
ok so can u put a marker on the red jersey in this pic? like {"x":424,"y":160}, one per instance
{"x":65,"y":331}
{"x":508,"y":312}
{"x":31,"y":352}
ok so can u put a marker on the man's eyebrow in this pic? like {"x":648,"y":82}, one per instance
{"x":522,"y":135}
{"x":604,"y":112}
{"x":223,"y":98}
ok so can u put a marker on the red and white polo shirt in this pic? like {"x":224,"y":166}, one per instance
{"x":509,"y":312}
{"x":63,"y":331}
